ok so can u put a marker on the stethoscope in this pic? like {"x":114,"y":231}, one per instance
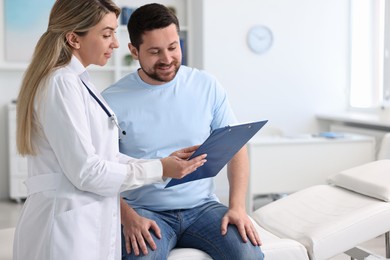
{"x":113,"y":118}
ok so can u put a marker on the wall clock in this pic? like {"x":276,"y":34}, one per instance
{"x":259,"y":39}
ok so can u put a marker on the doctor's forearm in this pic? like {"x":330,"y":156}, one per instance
{"x":142,"y":173}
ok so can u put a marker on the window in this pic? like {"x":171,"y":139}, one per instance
{"x":369,"y":85}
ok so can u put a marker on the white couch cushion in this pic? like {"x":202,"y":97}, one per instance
{"x":188,"y":253}
{"x":275,"y":248}
{"x":371,"y":179}
{"x":326,"y":219}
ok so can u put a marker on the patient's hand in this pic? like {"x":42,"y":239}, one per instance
{"x":245,"y":227}
{"x":136,"y":230}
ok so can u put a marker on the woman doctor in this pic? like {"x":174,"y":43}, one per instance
{"x":71,"y":139}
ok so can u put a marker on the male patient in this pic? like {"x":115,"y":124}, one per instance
{"x":162,"y":107}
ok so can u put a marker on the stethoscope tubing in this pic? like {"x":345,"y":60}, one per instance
{"x":111,"y":116}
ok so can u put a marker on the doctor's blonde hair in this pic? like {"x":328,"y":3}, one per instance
{"x":51,"y":52}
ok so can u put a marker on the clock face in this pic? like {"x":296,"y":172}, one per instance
{"x":259,"y":39}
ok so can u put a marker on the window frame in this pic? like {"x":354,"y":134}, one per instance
{"x":369,"y":87}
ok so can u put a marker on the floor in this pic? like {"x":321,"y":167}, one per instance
{"x":9,"y":212}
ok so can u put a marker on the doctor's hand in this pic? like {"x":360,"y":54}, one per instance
{"x":176,"y":167}
{"x":136,"y":230}
{"x":185,"y":153}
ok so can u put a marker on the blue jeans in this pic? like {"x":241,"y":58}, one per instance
{"x":198,"y":228}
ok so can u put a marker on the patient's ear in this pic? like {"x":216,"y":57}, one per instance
{"x":133,"y":51}
{"x":73,"y":40}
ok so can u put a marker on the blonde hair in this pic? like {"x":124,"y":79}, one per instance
{"x":51,"y":52}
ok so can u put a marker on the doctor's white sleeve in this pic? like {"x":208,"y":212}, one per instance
{"x":142,"y":172}
{"x":124,"y":158}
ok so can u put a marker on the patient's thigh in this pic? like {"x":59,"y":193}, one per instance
{"x":205,"y":234}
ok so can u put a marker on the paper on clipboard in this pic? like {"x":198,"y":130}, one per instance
{"x":222,"y":144}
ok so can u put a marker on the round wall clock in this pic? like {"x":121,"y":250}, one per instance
{"x":259,"y":39}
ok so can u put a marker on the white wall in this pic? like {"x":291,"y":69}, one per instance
{"x":305,"y":71}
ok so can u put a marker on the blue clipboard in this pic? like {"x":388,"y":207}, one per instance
{"x":222,"y":144}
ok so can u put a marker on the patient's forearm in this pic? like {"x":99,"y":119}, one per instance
{"x":238,"y":175}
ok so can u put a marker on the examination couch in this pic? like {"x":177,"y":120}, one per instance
{"x":323,"y":221}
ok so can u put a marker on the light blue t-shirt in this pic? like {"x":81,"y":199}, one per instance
{"x":160,"y":119}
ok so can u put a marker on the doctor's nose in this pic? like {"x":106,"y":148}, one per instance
{"x":115,"y":42}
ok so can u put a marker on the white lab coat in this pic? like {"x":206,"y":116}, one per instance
{"x":72,"y":208}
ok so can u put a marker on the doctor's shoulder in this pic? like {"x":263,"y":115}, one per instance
{"x":63,"y":78}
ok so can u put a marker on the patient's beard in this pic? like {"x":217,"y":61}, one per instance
{"x":160,"y":77}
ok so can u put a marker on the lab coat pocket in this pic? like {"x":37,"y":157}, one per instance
{"x":76,"y":233}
